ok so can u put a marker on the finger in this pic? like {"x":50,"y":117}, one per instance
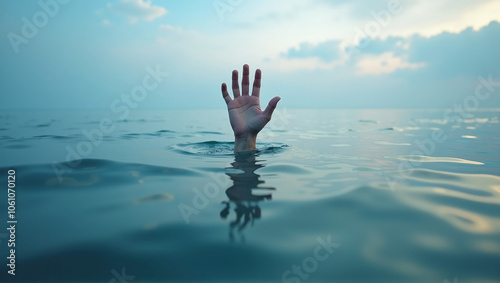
{"x":225,"y":94}
{"x":234,"y":84}
{"x":271,"y":106}
{"x":245,"y":82}
{"x":256,"y":83}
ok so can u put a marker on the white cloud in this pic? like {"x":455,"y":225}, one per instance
{"x":279,"y":25}
{"x":177,"y":33}
{"x":105,"y":22}
{"x":383,"y":64}
{"x":99,"y":12}
{"x":169,"y":28}
{"x":442,"y":16}
{"x":138,"y":10}
{"x":290,"y":65}
{"x":176,"y":40}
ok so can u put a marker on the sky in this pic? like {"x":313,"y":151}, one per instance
{"x":154,"y":54}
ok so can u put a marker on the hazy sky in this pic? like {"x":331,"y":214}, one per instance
{"x":74,"y":54}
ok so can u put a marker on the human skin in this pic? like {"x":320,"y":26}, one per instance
{"x":245,"y":115}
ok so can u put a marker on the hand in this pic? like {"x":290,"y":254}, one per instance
{"x":245,"y":115}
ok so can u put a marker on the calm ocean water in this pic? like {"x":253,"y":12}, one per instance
{"x":332,"y":195}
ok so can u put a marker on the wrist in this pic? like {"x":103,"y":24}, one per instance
{"x":245,"y":142}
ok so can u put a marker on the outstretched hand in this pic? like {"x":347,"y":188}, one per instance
{"x":245,"y":115}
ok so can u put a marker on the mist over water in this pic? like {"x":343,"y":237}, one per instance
{"x":405,"y":195}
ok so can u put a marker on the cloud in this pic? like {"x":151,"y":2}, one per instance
{"x":383,"y":64}
{"x":467,"y":53}
{"x":169,"y":28}
{"x":326,"y":51}
{"x":105,"y":22}
{"x":361,"y":9}
{"x":138,"y":10}
{"x":443,"y":15}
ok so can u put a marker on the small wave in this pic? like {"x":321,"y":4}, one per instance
{"x":97,"y":173}
{"x":168,"y":134}
{"x":341,"y":145}
{"x":208,"y":133}
{"x":423,"y":158}
{"x":140,"y":121}
{"x":369,"y":121}
{"x":216,"y":148}
{"x":17,"y":146}
{"x":161,"y":133}
{"x":158,"y":197}
{"x":270,"y":148}
{"x":43,"y":125}
{"x":165,"y":131}
{"x":205,"y":148}
{"x":56,"y":137}
{"x":311,"y":135}
{"x":432,"y":121}
{"x":284,"y":168}
{"x":464,"y":220}
{"x":460,"y":184}
{"x":391,"y":129}
{"x":392,"y":143}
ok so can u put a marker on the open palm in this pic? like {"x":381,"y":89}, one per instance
{"x":245,"y":114}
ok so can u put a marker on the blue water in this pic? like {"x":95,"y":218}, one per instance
{"x":330,"y":195}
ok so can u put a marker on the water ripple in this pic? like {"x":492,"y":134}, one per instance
{"x":423,"y":158}
{"x":97,"y":173}
{"x":217,"y":148}
{"x":392,"y":143}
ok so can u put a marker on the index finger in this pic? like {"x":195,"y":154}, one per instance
{"x":234,"y":84}
{"x":225,"y":94}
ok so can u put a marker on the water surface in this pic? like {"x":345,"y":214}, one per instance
{"x":400,"y":195}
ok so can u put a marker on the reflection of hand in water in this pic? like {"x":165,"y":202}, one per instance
{"x":240,"y":193}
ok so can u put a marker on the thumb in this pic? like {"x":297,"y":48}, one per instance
{"x":271,"y":106}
